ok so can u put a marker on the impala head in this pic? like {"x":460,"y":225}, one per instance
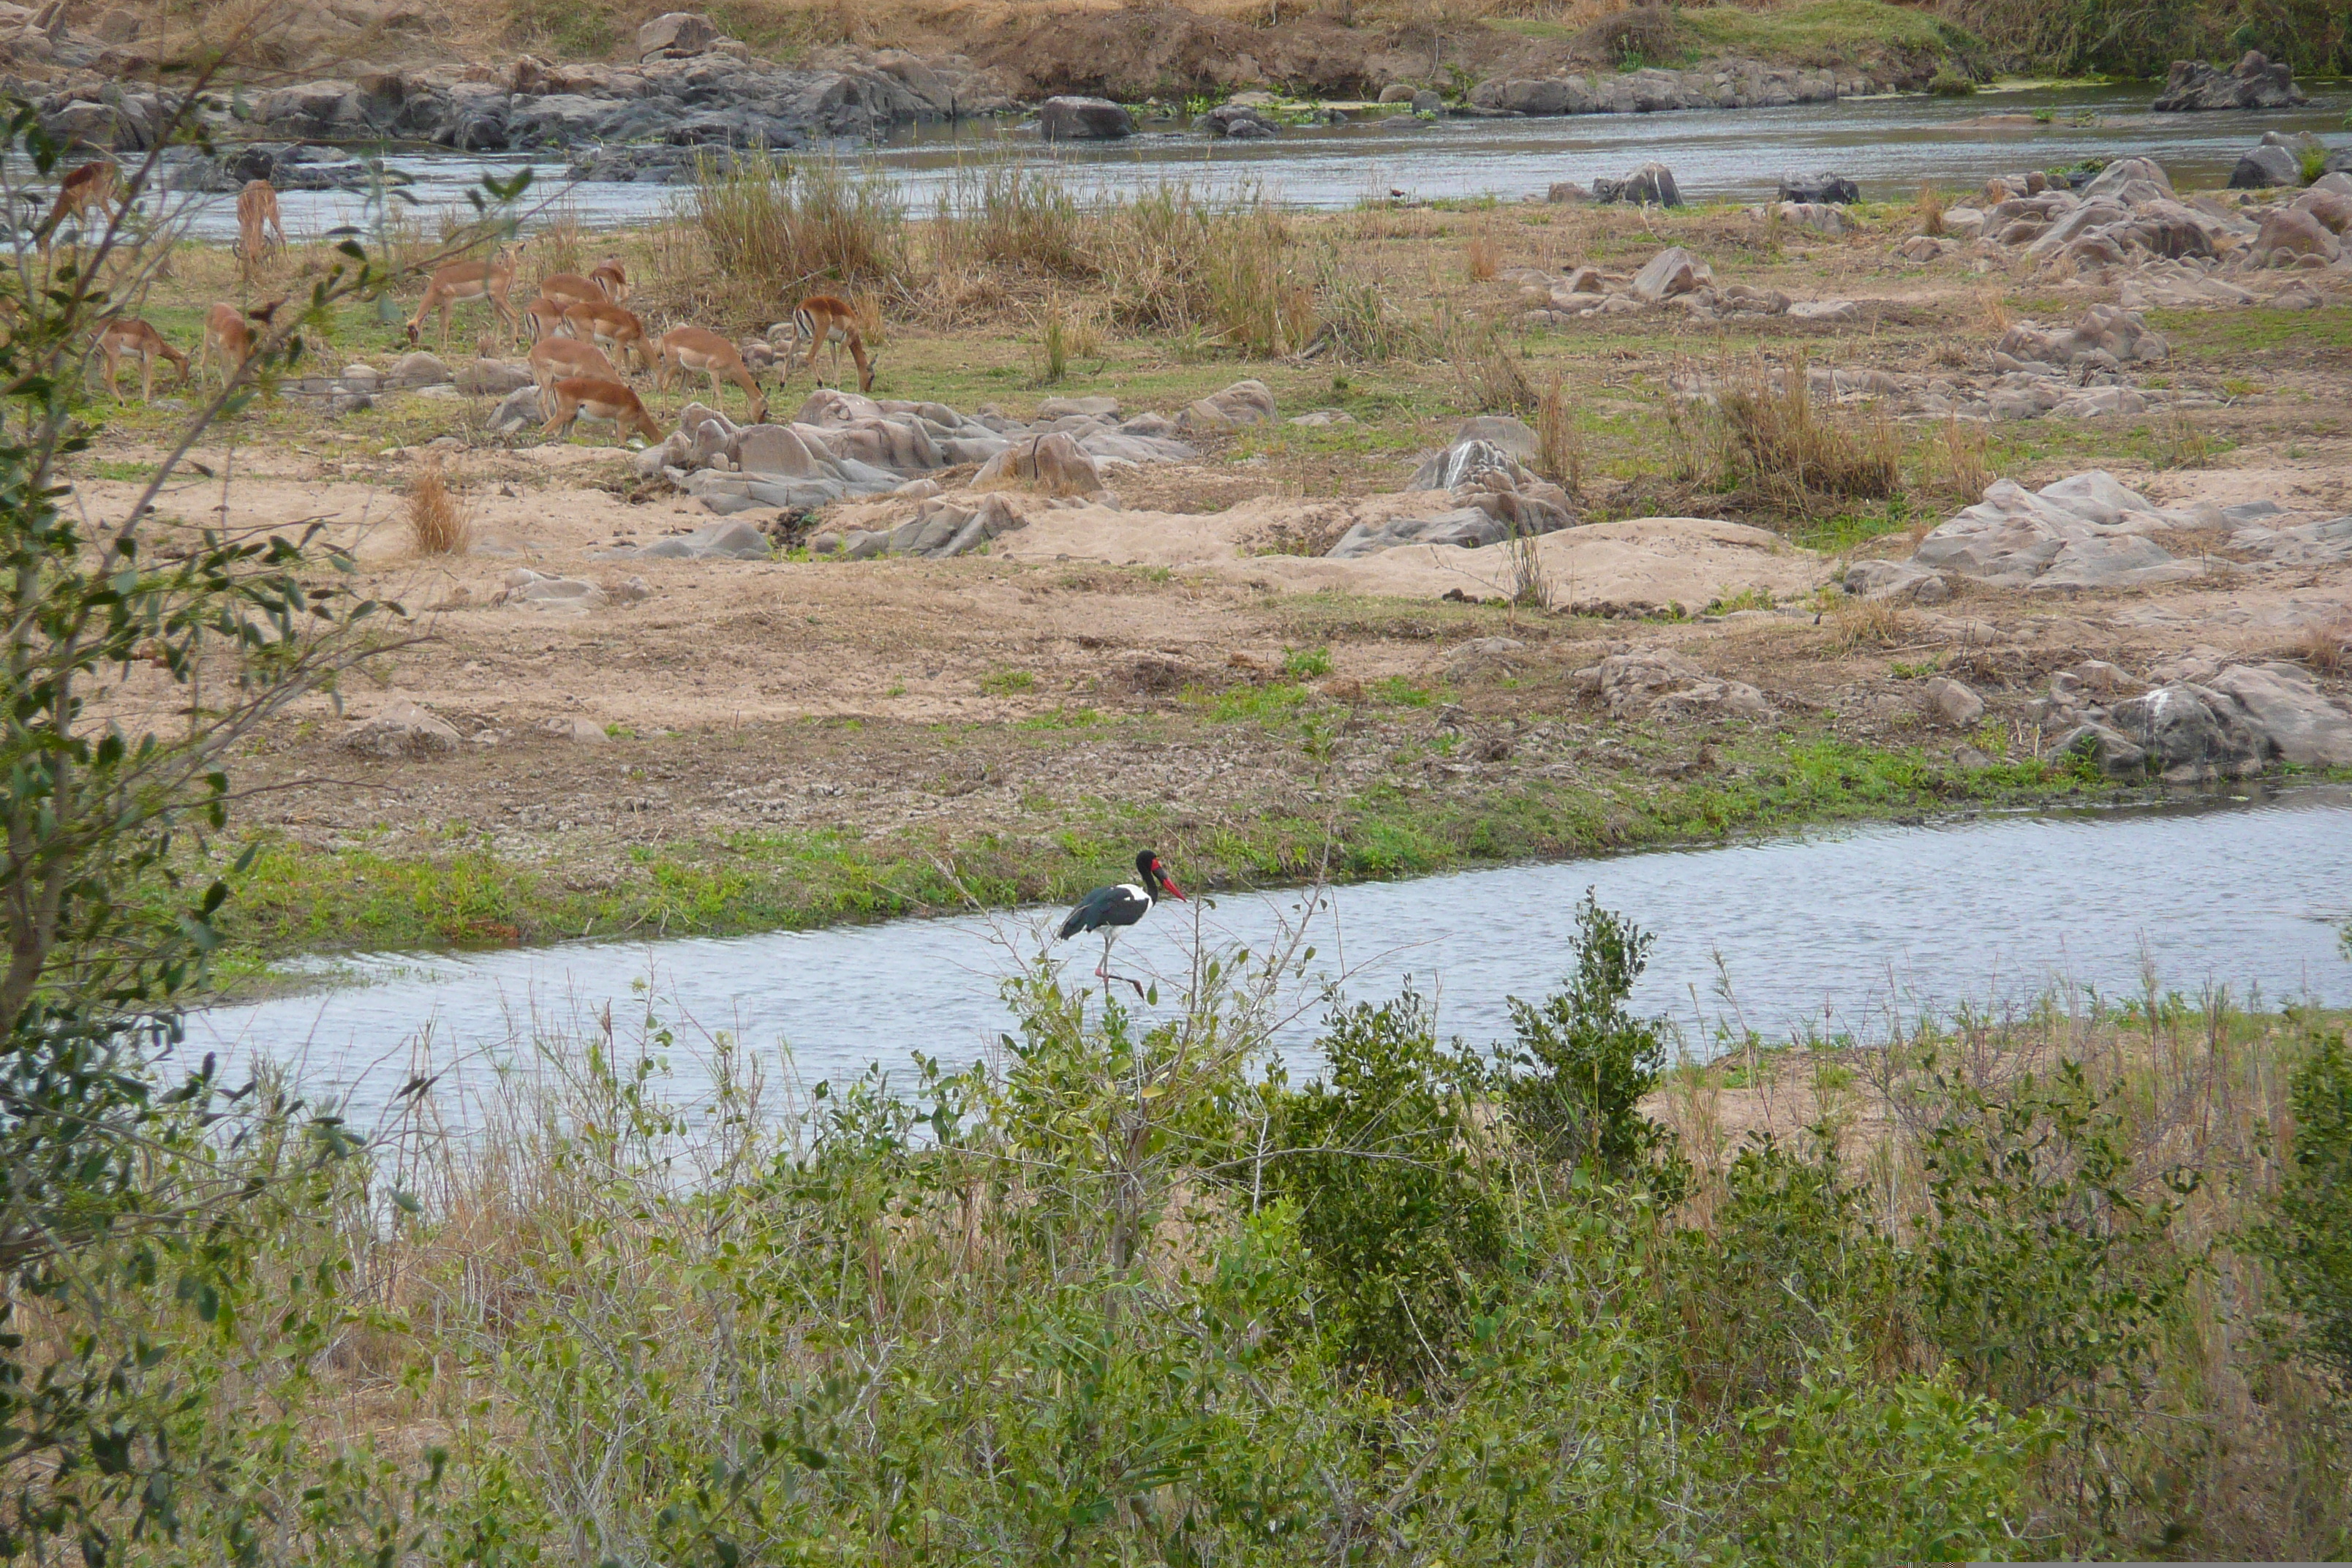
{"x":1155,"y":875}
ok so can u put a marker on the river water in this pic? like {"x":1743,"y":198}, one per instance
{"x":1831,"y":933}
{"x":1889,"y":144}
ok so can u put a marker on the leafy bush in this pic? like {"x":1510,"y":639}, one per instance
{"x":1582,"y":1062}
{"x":2308,"y":1233}
{"x":2044,"y":1276}
{"x":1949,"y":83}
{"x":1394,"y":1213}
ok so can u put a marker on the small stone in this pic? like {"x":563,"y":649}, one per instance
{"x":1954,"y":702}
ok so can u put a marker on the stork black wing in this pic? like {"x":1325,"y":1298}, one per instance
{"x":1114,"y":906}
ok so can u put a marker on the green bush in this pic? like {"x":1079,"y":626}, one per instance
{"x":2308,"y":1235}
{"x":1949,"y":83}
{"x":1582,"y":1062}
{"x":2045,"y":1274}
{"x":1394,"y":1213}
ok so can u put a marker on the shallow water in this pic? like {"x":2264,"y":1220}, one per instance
{"x":1889,"y":144}
{"x":1830,"y":933}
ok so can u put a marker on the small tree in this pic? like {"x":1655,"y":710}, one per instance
{"x":110,"y":1180}
{"x":1582,"y":1061}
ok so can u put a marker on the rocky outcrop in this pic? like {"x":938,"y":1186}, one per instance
{"x":2083,"y":531}
{"x":1731,"y":84}
{"x":2256,"y":82}
{"x":1237,"y":120}
{"x":643,"y":122}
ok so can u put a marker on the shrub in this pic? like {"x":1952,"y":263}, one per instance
{"x":2308,"y":1233}
{"x":1796,"y":453}
{"x":1393,"y":1211}
{"x":2043,"y":1277}
{"x":1582,"y":1062}
{"x":1949,"y":84}
{"x":438,"y":524}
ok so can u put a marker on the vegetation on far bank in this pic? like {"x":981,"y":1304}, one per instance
{"x":298,"y":899}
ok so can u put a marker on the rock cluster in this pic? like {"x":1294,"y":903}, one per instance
{"x":700,"y":91}
{"x":1735,"y":84}
{"x":2207,"y":719}
{"x":2127,"y":226}
{"x":2255,"y":82}
{"x":1495,"y":497}
{"x":1673,"y":277}
{"x":841,"y":444}
{"x":2277,"y":162}
{"x":1651,"y":185}
{"x":2089,"y":532}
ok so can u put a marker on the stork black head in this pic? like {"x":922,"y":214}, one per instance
{"x":1147,"y":866}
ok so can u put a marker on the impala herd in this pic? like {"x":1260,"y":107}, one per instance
{"x":585,"y":341}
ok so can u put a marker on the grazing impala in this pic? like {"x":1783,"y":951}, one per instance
{"x":608,"y":276}
{"x":98,"y":184}
{"x":696,"y":349}
{"x":134,"y":339}
{"x":823,"y":319}
{"x":570,"y":288}
{"x":460,"y":281}
{"x":611,"y":328}
{"x":227,"y":337}
{"x":553,"y":358}
{"x":573,"y":398}
{"x":545,"y":319}
{"x":257,"y":215}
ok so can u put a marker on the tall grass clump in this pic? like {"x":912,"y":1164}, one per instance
{"x":437,"y":520}
{"x":1798,"y":455}
{"x":1931,"y":209}
{"x":1559,"y":440}
{"x":1358,"y":324}
{"x":1257,"y":300}
{"x":999,"y":213}
{"x":781,"y":225}
{"x":1491,"y":378}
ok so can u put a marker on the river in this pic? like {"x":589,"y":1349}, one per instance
{"x":1889,"y":144}
{"x":1829,"y":934}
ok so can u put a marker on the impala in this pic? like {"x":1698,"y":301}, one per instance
{"x":257,"y":215}
{"x":610,"y":328}
{"x":228,"y":338}
{"x":461,"y":281}
{"x":96,"y":184}
{"x":608,"y":276}
{"x":572,"y":398}
{"x":696,"y":349}
{"x":823,"y":319}
{"x":553,"y":358}
{"x":134,"y":339}
{"x":570,"y":288}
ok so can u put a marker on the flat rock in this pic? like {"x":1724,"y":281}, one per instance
{"x":1076,"y":119}
{"x":403,"y":728}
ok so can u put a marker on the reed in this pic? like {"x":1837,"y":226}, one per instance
{"x":785,"y":226}
{"x":1559,"y":440}
{"x":1801,"y":454}
{"x":1931,"y":209}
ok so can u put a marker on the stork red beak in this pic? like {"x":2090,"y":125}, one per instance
{"x":1172,"y":890}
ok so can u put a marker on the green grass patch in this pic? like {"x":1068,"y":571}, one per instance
{"x":295,"y":898}
{"x":1818,"y":33}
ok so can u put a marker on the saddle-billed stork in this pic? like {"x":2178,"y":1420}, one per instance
{"x":1113,"y":909}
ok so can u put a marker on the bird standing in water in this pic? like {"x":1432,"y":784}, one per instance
{"x":1113,"y":909}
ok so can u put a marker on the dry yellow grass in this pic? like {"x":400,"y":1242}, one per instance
{"x":438,"y":522}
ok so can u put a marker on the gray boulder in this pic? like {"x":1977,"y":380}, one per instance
{"x":2256,"y":82}
{"x":1672,"y":271}
{"x":2115,"y":753}
{"x":518,"y":411}
{"x":2266,"y":167}
{"x":676,"y":36}
{"x":1082,"y":120}
{"x":1652,"y":182}
{"x":722,"y":541}
{"x":1464,"y":461}
{"x":1499,"y":430}
{"x":1820,"y":190}
{"x":1243,"y":403}
{"x":2191,"y":733}
{"x":1469,"y":527}
{"x":1235,"y":120}
{"x":1897,"y":579}
{"x":1954,"y":702}
{"x":2301,"y":725}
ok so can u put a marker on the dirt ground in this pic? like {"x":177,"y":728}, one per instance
{"x":1168,"y":668}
